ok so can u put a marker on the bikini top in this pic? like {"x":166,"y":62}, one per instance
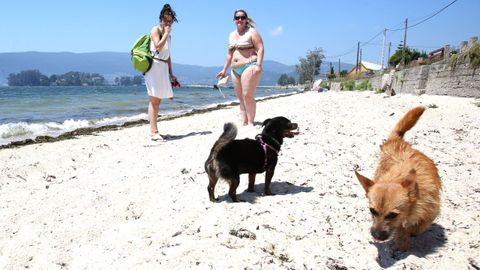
{"x":242,"y":43}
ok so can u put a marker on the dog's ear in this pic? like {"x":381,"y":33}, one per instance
{"x":265,"y":122}
{"x":364,"y":181}
{"x":410,"y":179}
{"x":410,"y":183}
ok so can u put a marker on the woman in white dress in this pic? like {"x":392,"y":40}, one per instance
{"x":157,"y":79}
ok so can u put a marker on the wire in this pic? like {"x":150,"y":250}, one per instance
{"x":353,"y":49}
{"x":362,"y":44}
{"x":424,"y":20}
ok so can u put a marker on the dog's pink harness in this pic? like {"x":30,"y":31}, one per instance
{"x":265,"y":146}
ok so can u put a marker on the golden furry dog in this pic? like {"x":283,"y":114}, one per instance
{"x":404,"y":195}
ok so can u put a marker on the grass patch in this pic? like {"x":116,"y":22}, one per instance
{"x":364,"y":85}
{"x":432,"y":106}
{"x":348,"y":85}
{"x":472,"y":55}
{"x":476,"y":102}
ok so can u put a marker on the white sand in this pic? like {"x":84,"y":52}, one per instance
{"x":114,"y":200}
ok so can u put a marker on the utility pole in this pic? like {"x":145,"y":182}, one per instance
{"x":360,"y":59}
{"x":404,"y":42}
{"x":383,"y":46}
{"x":338,"y":67}
{"x":388,"y":57}
{"x":358,"y":53}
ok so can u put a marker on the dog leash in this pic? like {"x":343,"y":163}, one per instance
{"x":265,"y":146}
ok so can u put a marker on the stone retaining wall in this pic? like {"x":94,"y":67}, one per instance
{"x":436,"y":79}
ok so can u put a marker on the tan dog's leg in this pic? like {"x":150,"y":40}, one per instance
{"x":402,"y":240}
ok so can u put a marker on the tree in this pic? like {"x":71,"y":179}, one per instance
{"x":410,"y":55}
{"x":309,"y":66}
{"x":28,"y":77}
{"x":285,"y":80}
{"x":343,"y":73}
{"x":137,"y":80}
{"x":331,"y":75}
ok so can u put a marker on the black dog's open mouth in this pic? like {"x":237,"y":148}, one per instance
{"x":292,"y":131}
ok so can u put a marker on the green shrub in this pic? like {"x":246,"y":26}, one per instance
{"x":364,"y":85}
{"x":325,"y":84}
{"x":348,"y":85}
{"x":454,"y":60}
{"x":379,"y":91}
{"x":477,"y":102}
{"x":432,"y":106}
{"x":474,"y":55}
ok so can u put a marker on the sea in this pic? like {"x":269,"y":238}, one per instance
{"x":30,"y":112}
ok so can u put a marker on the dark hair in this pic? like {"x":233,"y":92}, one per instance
{"x":250,"y":21}
{"x":167,"y":10}
{"x":240,"y":10}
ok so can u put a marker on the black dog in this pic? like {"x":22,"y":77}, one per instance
{"x":229,"y":157}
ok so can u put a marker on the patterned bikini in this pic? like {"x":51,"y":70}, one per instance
{"x":244,"y":42}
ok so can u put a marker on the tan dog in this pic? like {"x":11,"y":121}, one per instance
{"x":404,"y":195}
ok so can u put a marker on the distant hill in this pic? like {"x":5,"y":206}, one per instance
{"x":114,"y":64}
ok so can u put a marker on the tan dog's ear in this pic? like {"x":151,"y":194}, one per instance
{"x":366,"y":183}
{"x":410,"y":183}
{"x":410,"y":179}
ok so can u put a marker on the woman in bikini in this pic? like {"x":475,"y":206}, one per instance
{"x":245,"y":55}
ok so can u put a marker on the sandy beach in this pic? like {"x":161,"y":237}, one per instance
{"x":116,"y":200}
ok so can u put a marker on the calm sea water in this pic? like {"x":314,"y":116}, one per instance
{"x":28,"y":112}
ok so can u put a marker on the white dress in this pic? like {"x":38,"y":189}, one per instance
{"x":157,"y":79}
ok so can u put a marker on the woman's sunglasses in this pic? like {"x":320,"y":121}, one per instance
{"x":237,"y":18}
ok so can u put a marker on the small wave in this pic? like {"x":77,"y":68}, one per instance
{"x":20,"y":131}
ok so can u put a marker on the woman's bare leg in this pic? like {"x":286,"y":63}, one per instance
{"x":249,"y":81}
{"x":237,"y":84}
{"x":153,"y":107}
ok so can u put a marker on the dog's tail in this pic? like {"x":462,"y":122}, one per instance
{"x":406,"y":123}
{"x":229,"y":134}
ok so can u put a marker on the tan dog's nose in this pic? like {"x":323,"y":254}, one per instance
{"x":379,"y":234}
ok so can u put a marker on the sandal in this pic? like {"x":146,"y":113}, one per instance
{"x":157,"y":137}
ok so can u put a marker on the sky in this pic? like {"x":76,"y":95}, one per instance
{"x":289,"y":28}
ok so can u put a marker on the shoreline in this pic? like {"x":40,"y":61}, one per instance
{"x":115,"y":199}
{"x":91,"y":130}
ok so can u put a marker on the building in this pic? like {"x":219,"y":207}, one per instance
{"x":365,"y":68}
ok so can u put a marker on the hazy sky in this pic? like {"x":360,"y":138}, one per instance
{"x":289,"y":28}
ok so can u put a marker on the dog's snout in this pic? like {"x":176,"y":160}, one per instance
{"x":379,"y":234}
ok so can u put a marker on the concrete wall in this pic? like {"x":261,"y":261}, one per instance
{"x":436,"y":79}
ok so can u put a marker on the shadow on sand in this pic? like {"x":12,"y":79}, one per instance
{"x":422,"y":245}
{"x":278,"y":188}
{"x":169,"y":137}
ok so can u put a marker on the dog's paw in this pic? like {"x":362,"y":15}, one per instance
{"x":269,"y":193}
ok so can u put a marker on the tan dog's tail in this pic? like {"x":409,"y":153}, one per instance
{"x":406,"y":123}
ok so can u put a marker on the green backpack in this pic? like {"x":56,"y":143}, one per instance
{"x":142,"y":58}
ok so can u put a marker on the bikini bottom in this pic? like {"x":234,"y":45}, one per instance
{"x":239,"y":70}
